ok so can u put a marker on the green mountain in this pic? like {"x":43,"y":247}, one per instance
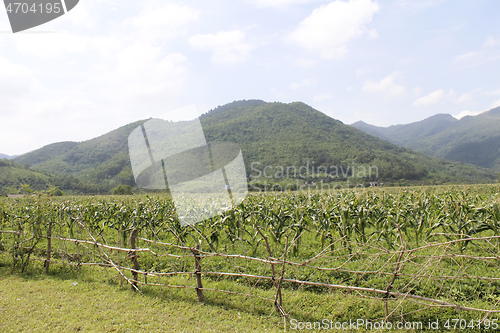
{"x":405,"y":134}
{"x":472,"y":139}
{"x":280,"y":143}
{"x":15,"y":178}
{"x":2,"y":156}
{"x":12,"y":176}
{"x":103,"y":160}
{"x":278,"y":134}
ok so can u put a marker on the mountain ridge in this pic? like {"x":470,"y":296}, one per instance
{"x":471,"y":139}
{"x":269,"y":134}
{"x":336,"y":143}
{"x":8,"y":157}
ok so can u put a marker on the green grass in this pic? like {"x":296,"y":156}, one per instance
{"x":31,"y":301}
{"x":38,"y":303}
{"x":94,"y":301}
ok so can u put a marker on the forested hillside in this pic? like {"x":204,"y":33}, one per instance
{"x":472,"y":139}
{"x":294,"y":141}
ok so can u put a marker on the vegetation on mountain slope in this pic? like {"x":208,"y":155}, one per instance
{"x":281,"y":143}
{"x":283,"y":135}
{"x":472,"y":139}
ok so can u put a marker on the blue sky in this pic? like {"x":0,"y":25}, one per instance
{"x":108,"y":63}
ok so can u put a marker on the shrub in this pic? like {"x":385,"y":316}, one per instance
{"x":122,"y":190}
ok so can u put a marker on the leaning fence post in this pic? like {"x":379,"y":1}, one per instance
{"x":133,"y":256}
{"x":197,"y":264}
{"x":49,"y":248}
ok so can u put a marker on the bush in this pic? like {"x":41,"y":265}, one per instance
{"x":57,"y":193}
{"x":122,"y":190}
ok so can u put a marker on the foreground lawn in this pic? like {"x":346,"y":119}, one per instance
{"x":51,"y":304}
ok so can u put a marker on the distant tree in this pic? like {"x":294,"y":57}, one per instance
{"x":55,"y":192}
{"x":25,"y":189}
{"x":122,"y":190}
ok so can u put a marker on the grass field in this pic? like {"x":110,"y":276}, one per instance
{"x":64,"y":302}
{"x":38,"y":303}
{"x":439,"y":243}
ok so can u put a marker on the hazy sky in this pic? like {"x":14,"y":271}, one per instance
{"x":107,"y":63}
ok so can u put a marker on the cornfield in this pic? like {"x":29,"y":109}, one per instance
{"x":431,"y":247}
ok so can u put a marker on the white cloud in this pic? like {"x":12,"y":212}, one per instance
{"x":279,"y":3}
{"x":143,"y":73}
{"x":360,"y":72}
{"x":372,"y":33}
{"x":304,"y":83}
{"x":75,"y":86}
{"x":153,"y":23}
{"x":83,"y":15}
{"x":495,"y":104}
{"x":491,"y":41}
{"x":418,"y":5}
{"x":478,"y":57}
{"x":329,"y":28}
{"x":417,"y":91}
{"x":50,"y":45}
{"x":432,"y":98}
{"x":165,"y":20}
{"x":138,"y":82}
{"x":387,"y":86}
{"x":466,"y":113}
{"x":467,"y":57}
{"x":301,"y":62}
{"x":452,"y":97}
{"x":15,"y":80}
{"x":465,"y":98}
{"x":278,"y":95}
{"x":228,"y":47}
{"x":322,"y":97}
{"x":494,"y":92}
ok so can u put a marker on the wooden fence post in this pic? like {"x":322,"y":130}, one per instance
{"x":49,"y":248}
{"x":278,"y":299}
{"x":197,"y":264}
{"x":133,"y":256}
{"x":119,"y":238}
